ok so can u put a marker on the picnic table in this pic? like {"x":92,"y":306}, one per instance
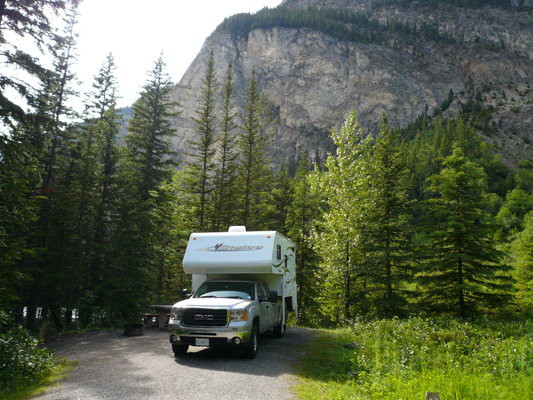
{"x":162,"y":314}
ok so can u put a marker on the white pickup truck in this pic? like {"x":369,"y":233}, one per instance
{"x":244,"y":283}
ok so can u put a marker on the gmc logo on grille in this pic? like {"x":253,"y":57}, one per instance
{"x":202,"y":317}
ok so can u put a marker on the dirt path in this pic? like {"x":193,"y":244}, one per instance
{"x":112,"y":366}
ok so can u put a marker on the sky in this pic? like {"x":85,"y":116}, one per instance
{"x":136,"y":32}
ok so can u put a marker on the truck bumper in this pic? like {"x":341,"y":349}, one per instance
{"x":208,"y":338}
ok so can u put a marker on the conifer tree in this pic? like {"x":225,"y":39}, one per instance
{"x":146,"y":167}
{"x":279,"y":200}
{"x":303,"y":212}
{"x":463,"y":269}
{"x":150,"y":131}
{"x":224,"y":198}
{"x":199,"y":180}
{"x":387,"y":249}
{"x":24,"y":18}
{"x":257,"y":129}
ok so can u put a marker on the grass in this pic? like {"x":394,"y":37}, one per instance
{"x":402,"y":359}
{"x":62,"y":368}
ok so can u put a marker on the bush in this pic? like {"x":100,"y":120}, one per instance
{"x":401,"y":359}
{"x":21,"y":359}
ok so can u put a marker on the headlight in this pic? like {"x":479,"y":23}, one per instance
{"x":176,"y":313}
{"x":238,"y":315}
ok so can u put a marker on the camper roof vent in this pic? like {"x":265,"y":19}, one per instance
{"x":237,"y":229}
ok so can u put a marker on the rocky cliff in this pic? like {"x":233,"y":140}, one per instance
{"x":484,"y":54}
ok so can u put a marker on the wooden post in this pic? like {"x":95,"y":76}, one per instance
{"x":45,"y":332}
{"x":432,"y":396}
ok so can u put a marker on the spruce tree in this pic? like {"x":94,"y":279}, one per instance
{"x":150,"y":130}
{"x":463,"y":271}
{"x":146,"y":167}
{"x":387,"y":249}
{"x":257,"y":129}
{"x":225,"y":198}
{"x":199,"y":181}
{"x":30,"y":18}
{"x":303,"y":212}
{"x":279,"y":200}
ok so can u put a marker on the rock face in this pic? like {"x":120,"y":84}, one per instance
{"x":314,"y":80}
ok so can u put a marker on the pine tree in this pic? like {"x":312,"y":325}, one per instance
{"x":199,"y":180}
{"x":279,"y":200}
{"x":150,"y":131}
{"x":225,"y":170}
{"x":24,"y":18}
{"x":463,"y":269}
{"x":387,"y":249}
{"x":303,"y":212}
{"x":257,"y":124}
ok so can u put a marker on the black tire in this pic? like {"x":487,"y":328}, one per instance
{"x":279,"y":330}
{"x":251,"y":350}
{"x":180,"y":349}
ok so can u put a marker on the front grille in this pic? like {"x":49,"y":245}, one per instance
{"x":205,"y":317}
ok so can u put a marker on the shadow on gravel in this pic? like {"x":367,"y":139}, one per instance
{"x":275,"y":356}
{"x":113,"y":366}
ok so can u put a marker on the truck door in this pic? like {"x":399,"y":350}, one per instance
{"x":265,"y":307}
{"x":275,"y":315}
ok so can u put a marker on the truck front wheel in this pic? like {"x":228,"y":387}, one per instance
{"x":251,"y":350}
{"x":179,"y":350}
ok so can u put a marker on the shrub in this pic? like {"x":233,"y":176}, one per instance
{"x":21,"y":359}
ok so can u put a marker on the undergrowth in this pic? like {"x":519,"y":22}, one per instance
{"x":402,"y":359}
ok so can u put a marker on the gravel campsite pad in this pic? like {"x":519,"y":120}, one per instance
{"x":114,"y":366}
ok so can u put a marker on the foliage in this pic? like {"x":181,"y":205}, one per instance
{"x":387,"y":249}
{"x":460,"y":272}
{"x":301,"y":220}
{"x":22,"y":361}
{"x":224,"y":197}
{"x":402,"y":359}
{"x":256,"y":132}
{"x":340,"y":233}
{"x":199,"y":179}
{"x":522,"y":251}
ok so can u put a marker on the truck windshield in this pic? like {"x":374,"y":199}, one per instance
{"x":229,"y":290}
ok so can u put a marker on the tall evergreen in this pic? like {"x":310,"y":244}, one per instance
{"x":146,"y":167}
{"x":278,"y":200}
{"x":303,"y":212}
{"x":199,"y":180}
{"x":51,"y":135}
{"x":150,"y":130}
{"x":463,"y":271}
{"x":387,"y":249}
{"x":224,"y":197}
{"x":257,"y":129}
{"x":30,"y":18}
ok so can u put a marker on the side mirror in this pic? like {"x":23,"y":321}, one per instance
{"x":185,"y":294}
{"x":273,"y":298}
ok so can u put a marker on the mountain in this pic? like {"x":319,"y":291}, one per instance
{"x":318,"y":59}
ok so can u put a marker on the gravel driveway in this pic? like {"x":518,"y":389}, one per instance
{"x":113,"y":366}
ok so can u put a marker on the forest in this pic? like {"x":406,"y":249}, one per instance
{"x":424,"y":221}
